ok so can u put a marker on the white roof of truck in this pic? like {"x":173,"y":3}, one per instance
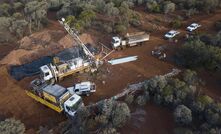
{"x":83,"y":85}
{"x":72,"y":100}
{"x":45,"y":68}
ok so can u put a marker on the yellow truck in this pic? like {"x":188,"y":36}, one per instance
{"x":64,"y":64}
{"x":55,"y":97}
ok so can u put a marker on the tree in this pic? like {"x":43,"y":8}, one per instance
{"x":201,"y":103}
{"x":36,"y":11}
{"x":182,"y":114}
{"x":18,"y":27}
{"x":86,"y":17}
{"x":190,"y":77}
{"x":176,"y":23}
{"x":120,"y":28}
{"x":12,"y":126}
{"x":209,"y":5}
{"x":129,"y":99}
{"x":120,"y":114}
{"x":141,"y":100}
{"x":153,"y":6}
{"x":110,"y":9}
{"x":196,"y":53}
{"x":5,"y":23}
{"x":168,"y":7}
{"x":5,"y":7}
{"x":18,"y":5}
{"x":100,"y":4}
{"x":54,"y":4}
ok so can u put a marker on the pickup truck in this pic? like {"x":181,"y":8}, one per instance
{"x":171,"y":34}
{"x":83,"y":88}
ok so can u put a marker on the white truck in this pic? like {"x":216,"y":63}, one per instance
{"x":193,"y":27}
{"x":129,"y":40}
{"x":83,"y":88}
{"x":58,"y":70}
{"x":171,"y":34}
{"x":55,"y":97}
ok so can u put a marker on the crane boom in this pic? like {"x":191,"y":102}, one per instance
{"x":75,"y":37}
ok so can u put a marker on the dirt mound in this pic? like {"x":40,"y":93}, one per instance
{"x":40,"y":40}
{"x":44,"y":43}
{"x":13,"y":58}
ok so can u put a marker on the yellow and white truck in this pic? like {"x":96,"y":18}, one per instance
{"x":55,"y":97}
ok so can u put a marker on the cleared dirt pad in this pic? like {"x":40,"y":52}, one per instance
{"x":150,"y":119}
{"x":15,"y":103}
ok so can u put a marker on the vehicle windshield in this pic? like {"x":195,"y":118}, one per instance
{"x":114,"y":41}
{"x":46,"y":74}
{"x":75,"y":106}
{"x":170,"y":33}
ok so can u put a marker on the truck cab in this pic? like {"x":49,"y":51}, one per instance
{"x":83,"y":88}
{"x":72,"y":104}
{"x":46,"y":73}
{"x":116,"y":41}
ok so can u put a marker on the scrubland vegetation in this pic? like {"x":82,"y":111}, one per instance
{"x":201,"y":52}
{"x":22,"y":17}
{"x":193,"y":111}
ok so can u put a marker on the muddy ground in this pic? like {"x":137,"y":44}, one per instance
{"x":15,"y":103}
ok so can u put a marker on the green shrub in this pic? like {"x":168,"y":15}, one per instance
{"x":120,"y":28}
{"x":168,"y":7}
{"x":176,"y":24}
{"x":129,"y":99}
{"x":183,"y":114}
{"x":120,"y":114}
{"x":141,"y":100}
{"x":12,"y":126}
{"x":153,"y":6}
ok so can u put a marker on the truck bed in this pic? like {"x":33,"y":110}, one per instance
{"x":44,"y":102}
{"x":136,"y":38}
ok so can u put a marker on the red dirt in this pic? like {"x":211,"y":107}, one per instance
{"x":6,"y":48}
{"x":155,"y":117}
{"x":15,"y":103}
